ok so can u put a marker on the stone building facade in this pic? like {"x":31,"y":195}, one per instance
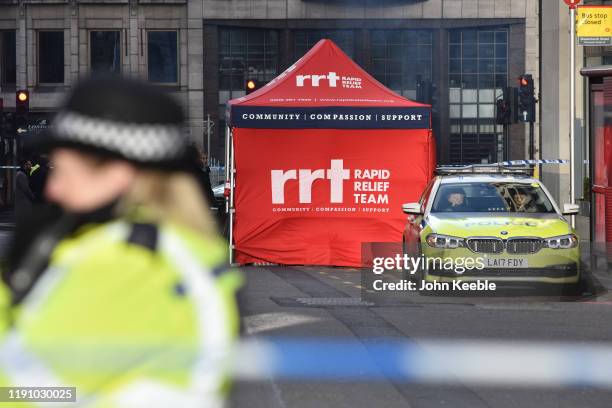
{"x":468,"y":49}
{"x":462,"y":51}
{"x":149,"y":39}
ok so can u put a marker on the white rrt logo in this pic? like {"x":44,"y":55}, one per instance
{"x":332,"y":79}
{"x":336,"y":174}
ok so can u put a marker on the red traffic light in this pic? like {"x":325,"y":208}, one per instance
{"x":523,"y":81}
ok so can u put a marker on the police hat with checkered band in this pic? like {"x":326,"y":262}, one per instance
{"x":124,"y":118}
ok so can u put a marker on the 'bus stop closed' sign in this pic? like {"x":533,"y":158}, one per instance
{"x":594,"y":25}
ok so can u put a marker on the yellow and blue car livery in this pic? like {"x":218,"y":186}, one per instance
{"x":507,"y":225}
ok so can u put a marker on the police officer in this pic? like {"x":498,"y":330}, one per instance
{"x":124,"y":296}
{"x":38,"y":178}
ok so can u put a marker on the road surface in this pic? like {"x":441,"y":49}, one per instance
{"x":325,"y":302}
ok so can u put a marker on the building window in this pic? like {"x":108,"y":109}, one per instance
{"x":104,"y":53}
{"x":478,"y":73}
{"x":8,"y":57}
{"x":51,"y":57}
{"x":245,"y":54}
{"x":306,"y":39}
{"x":401,"y":59}
{"x":162,"y":51}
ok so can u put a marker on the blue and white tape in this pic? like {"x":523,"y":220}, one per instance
{"x":494,"y":363}
{"x":424,"y":361}
{"x":530,"y":162}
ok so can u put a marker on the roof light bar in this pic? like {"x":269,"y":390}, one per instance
{"x":517,"y":167}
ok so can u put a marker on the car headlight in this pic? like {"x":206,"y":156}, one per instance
{"x":444,"y":241}
{"x":561,"y":242}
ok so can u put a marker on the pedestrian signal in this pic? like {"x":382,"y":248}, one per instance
{"x":507,"y":107}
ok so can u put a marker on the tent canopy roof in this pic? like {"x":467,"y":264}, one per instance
{"x":324,"y":76}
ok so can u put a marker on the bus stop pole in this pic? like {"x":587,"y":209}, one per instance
{"x":572,"y":108}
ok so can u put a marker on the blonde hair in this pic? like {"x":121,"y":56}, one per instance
{"x":173,"y":197}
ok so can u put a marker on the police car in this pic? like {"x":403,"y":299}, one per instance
{"x":491,"y":222}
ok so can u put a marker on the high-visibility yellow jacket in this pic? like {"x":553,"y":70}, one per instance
{"x":34,"y":169}
{"x":130,"y":314}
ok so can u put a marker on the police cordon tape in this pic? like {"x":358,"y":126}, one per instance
{"x":428,"y":361}
{"x":423,"y":361}
{"x":509,"y":163}
{"x":530,"y":162}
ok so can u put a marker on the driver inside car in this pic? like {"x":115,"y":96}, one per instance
{"x":455,"y":201}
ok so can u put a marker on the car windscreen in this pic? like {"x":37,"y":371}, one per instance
{"x":492,"y":197}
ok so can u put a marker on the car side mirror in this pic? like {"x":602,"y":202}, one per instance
{"x":412,"y":208}
{"x":570,"y":209}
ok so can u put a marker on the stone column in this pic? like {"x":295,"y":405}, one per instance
{"x":195,"y":72}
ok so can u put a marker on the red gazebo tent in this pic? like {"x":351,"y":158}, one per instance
{"x":321,"y":160}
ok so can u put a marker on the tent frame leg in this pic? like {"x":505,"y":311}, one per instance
{"x":227,"y":169}
{"x":232,"y":182}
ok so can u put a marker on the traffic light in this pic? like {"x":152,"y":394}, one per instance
{"x":526,"y":99}
{"x":423,"y":91}
{"x":22,"y":108}
{"x":22,"y":102}
{"x":434,"y":97}
{"x":427,"y":92}
{"x":251,"y":86}
{"x":507,"y":107}
{"x":502,"y":112}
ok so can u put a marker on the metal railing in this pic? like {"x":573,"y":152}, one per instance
{"x":217,"y":172}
